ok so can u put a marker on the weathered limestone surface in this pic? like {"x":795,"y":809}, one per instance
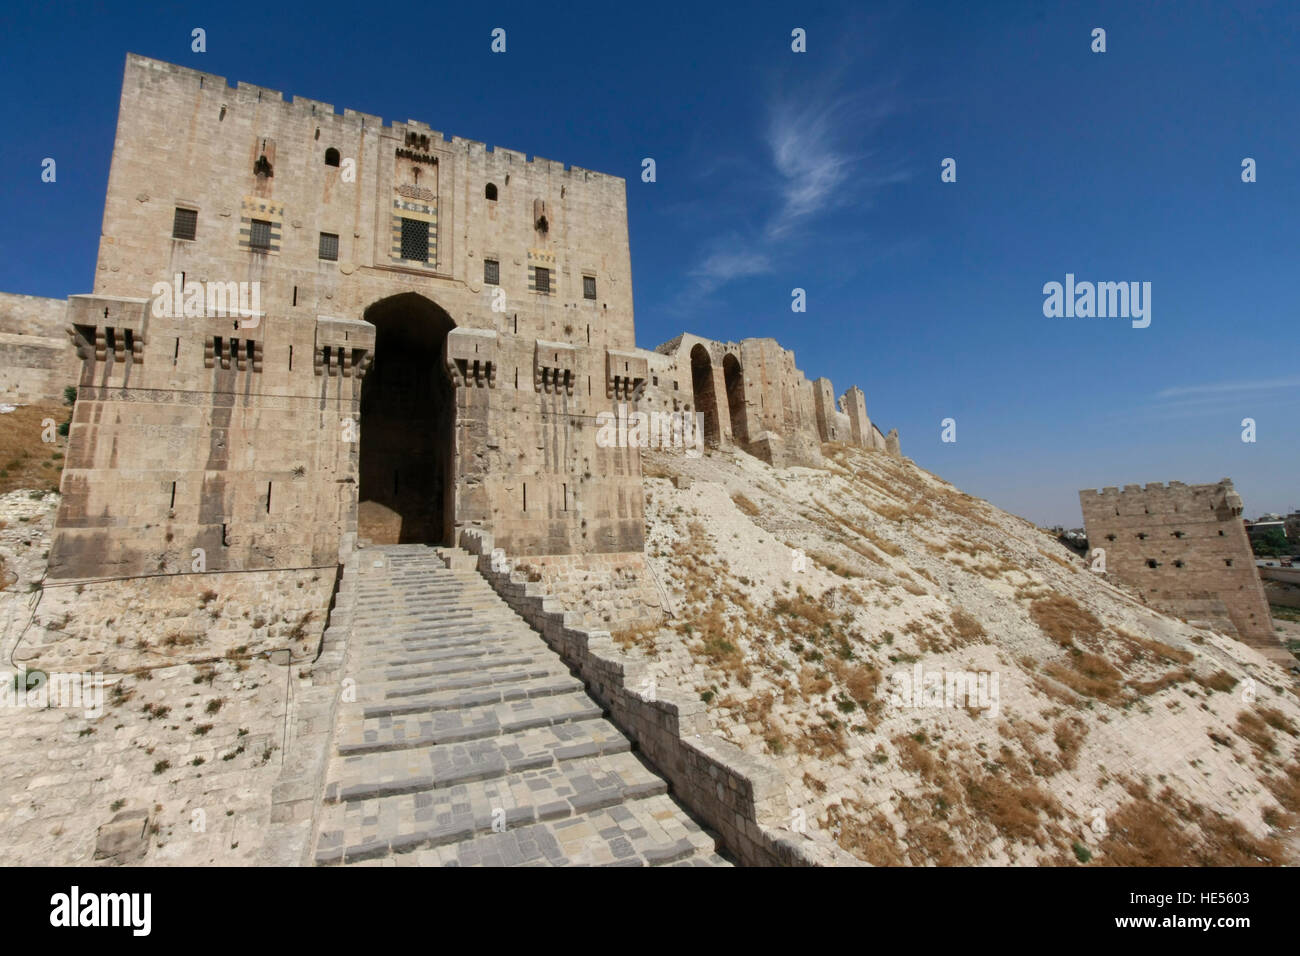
{"x":468,"y":742}
{"x":36,"y":360}
{"x":740,"y":796}
{"x":753,"y":397}
{"x":248,"y":436}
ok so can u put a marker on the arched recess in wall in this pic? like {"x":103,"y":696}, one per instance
{"x":406,"y":485}
{"x":706,"y":399}
{"x":734,"y":377}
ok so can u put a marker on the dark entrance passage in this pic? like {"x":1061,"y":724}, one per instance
{"x":706,"y":399}
{"x":408,"y":419}
{"x":735,"y":382}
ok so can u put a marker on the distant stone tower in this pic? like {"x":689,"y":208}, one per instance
{"x":854,"y":404}
{"x":1184,"y":547}
{"x":824,"y":402}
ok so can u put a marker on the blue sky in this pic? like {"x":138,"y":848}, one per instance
{"x":821,"y":170}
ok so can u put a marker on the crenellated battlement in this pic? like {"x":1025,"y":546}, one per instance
{"x":1158,"y":489}
{"x":243,"y":94}
{"x":752,"y":393}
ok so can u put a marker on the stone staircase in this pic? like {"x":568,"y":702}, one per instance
{"x":471,"y":743}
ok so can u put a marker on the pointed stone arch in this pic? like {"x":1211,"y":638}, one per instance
{"x":705,"y":394}
{"x":407,"y":458}
{"x":733,"y":375}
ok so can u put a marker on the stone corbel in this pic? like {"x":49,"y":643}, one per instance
{"x":472,"y":358}
{"x":555,"y":367}
{"x":625,"y":375}
{"x":343,"y":347}
{"x":95,"y":320}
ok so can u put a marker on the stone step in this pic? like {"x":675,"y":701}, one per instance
{"x":388,"y":609}
{"x":389,"y":773}
{"x":408,"y":731}
{"x":459,"y":677}
{"x":389,"y":662}
{"x":459,"y":601}
{"x":464,"y":691}
{"x":470,"y":742}
{"x":399,"y":648}
{"x":644,"y":830}
{"x":455,"y":814}
{"x":426,"y":630}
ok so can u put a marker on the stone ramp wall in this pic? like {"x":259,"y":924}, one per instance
{"x":741,"y":797}
{"x":615,"y":591}
{"x":37,"y":360}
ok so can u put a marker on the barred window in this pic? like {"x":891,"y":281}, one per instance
{"x":259,"y":235}
{"x":415,"y":240}
{"x":491,"y":271}
{"x":589,"y":287}
{"x":543,"y":280}
{"x":329,"y":246}
{"x":185,"y":223}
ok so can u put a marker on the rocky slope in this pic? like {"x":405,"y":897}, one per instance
{"x":806,"y":603}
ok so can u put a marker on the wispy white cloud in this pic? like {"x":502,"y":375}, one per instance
{"x":814,"y":164}
{"x":733,"y":264}
{"x":1214,"y":399}
{"x":1227,"y":388}
{"x":811,"y":141}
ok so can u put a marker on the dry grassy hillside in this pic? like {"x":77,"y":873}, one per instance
{"x":1107,"y":733}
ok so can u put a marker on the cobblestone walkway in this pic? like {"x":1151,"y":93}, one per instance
{"x":470,"y":743}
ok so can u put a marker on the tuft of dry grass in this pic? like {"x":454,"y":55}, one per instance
{"x":1163,"y":682}
{"x":1069,"y":734}
{"x":1140,"y":648}
{"x":1219,"y":680}
{"x":1088,"y":675}
{"x":1172,"y":831}
{"x":643,"y":638}
{"x":1253,"y":728}
{"x":745,"y":505}
{"x":27,"y":462}
{"x":966,"y":630}
{"x":1278,"y":720}
{"x":833,"y":564}
{"x":1063,"y":620}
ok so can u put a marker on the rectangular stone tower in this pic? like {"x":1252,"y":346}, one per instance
{"x":1185,"y":549}
{"x":306,"y":325}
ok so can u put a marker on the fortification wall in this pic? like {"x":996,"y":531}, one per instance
{"x":235,"y":435}
{"x":240,"y":433}
{"x":754,"y":397}
{"x":1184,"y":547}
{"x":36,"y":359}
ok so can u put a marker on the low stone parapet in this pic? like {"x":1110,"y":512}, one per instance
{"x":738,"y":795}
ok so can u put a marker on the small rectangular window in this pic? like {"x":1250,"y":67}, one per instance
{"x":259,"y":234}
{"x":329,"y":247}
{"x":491,"y":272}
{"x":415,"y":240}
{"x":543,"y":280}
{"x":185,"y":223}
{"x":589,"y":287}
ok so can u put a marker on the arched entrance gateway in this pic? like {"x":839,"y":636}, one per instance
{"x":408,"y":420}
{"x":706,"y":399}
{"x":734,"y":379}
